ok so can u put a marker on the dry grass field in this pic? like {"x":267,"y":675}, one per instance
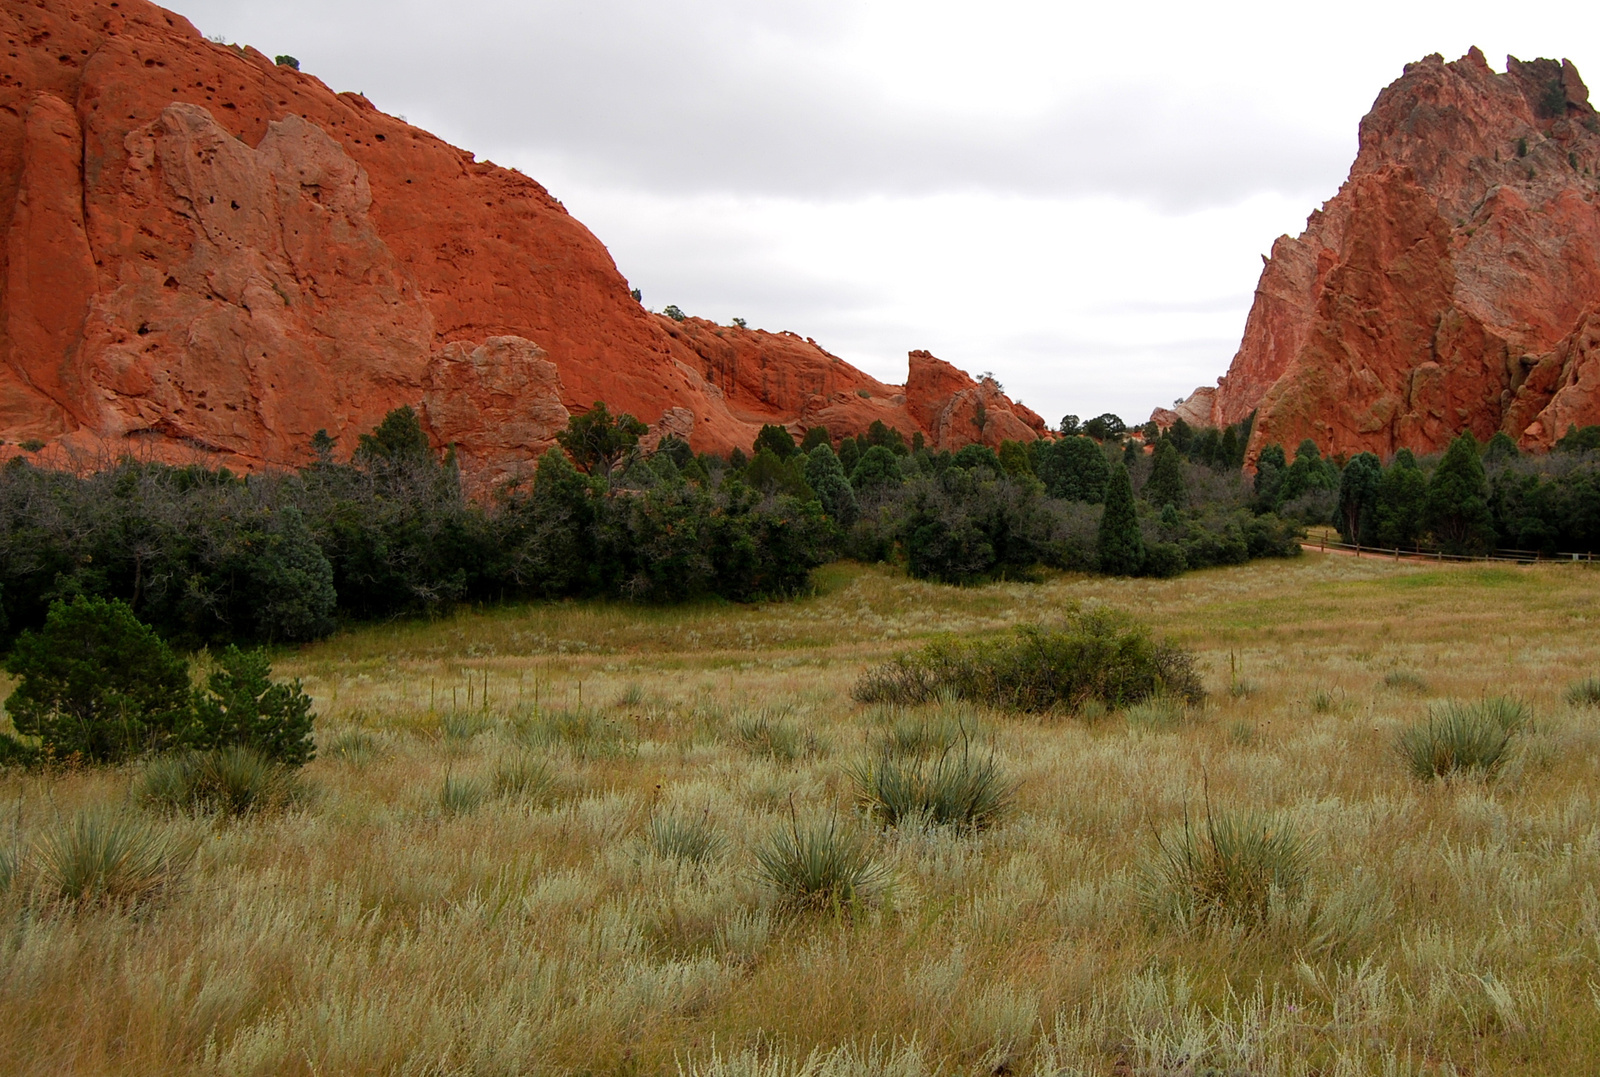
{"x":530,"y":846}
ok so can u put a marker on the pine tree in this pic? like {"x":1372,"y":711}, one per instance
{"x":1457,"y":504}
{"x":1166,"y":484}
{"x":1402,"y":491}
{"x":1358,"y":498}
{"x":1121,"y":546}
{"x":827,"y":478}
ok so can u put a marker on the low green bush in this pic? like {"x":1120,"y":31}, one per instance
{"x":1230,"y":869}
{"x":225,"y":781}
{"x":1098,"y":656}
{"x":242,"y":706}
{"x":1461,"y":737}
{"x":820,"y":865}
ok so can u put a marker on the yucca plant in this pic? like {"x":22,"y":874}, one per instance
{"x":916,"y":734}
{"x":1585,"y":693}
{"x":956,"y":788}
{"x":460,"y":796}
{"x":773,"y":734}
{"x":227,"y":781}
{"x":117,"y":859}
{"x":820,"y":865}
{"x":1229,"y":869}
{"x":1461,"y":737}
{"x":8,"y":869}
{"x":523,"y":777}
{"x":355,"y":747}
{"x":464,"y":725}
{"x":691,"y":839}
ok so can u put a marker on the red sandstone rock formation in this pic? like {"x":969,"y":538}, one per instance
{"x":1452,"y":283}
{"x":206,"y":254}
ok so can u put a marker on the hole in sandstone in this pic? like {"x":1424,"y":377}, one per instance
{"x":144,"y":329}
{"x":170,"y":282}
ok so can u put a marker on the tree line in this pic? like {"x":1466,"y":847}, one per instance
{"x":209,"y":556}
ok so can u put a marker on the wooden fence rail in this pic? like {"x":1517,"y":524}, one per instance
{"x":1325,"y":543}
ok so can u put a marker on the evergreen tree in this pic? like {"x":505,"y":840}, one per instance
{"x":1400,"y":500}
{"x":1166,"y":484}
{"x":849,"y":454}
{"x":877,"y":469}
{"x":1270,"y":467}
{"x":292,"y":597}
{"x":550,"y":531}
{"x":1457,"y":507}
{"x":243,"y":706}
{"x":1013,"y":458}
{"x":597,"y":442}
{"x":817,"y":435}
{"x":96,"y":684}
{"x":1308,"y":472}
{"x":772,"y":475}
{"x":827,"y":478}
{"x":1074,"y":469}
{"x":1120,"y":544}
{"x":1500,"y":447}
{"x":776,"y":439}
{"x":1358,"y":498}
{"x":399,"y":438}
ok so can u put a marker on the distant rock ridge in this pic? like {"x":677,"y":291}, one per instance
{"x":1452,"y":283}
{"x":210,"y":256}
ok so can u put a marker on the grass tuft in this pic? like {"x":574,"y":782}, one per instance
{"x":462,"y":726}
{"x":1322,"y":701}
{"x":956,"y":788}
{"x":773,"y":734}
{"x":1230,"y":869}
{"x":114,"y":859}
{"x":1461,"y":737}
{"x":1099,"y":656}
{"x":691,"y":839}
{"x":354,"y":746}
{"x":820,"y":865}
{"x":523,"y":777}
{"x":460,"y":796}
{"x":1585,"y":693}
{"x":1403,"y":680}
{"x":585,"y":732}
{"x":224,"y":781}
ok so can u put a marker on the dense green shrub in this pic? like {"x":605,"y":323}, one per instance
{"x":242,"y":707}
{"x":1401,"y":501}
{"x":97,"y":685}
{"x":1097,"y":656}
{"x":878,"y":469}
{"x":1358,"y":499}
{"x":827,"y":480}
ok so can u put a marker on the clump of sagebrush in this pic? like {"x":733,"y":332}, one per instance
{"x":772,"y":733}
{"x":1585,"y":693}
{"x":111,"y":858}
{"x":1462,"y":737}
{"x":820,"y":865}
{"x":1097,"y":656}
{"x":956,"y":787}
{"x":1229,"y":869}
{"x":690,"y":838}
{"x":225,"y":781}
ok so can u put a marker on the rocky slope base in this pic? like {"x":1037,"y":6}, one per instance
{"x":1452,"y":283}
{"x":210,"y":256}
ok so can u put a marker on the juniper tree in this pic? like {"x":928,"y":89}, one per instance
{"x":1120,"y":545}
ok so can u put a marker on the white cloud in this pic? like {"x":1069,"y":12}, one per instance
{"x":1072,"y":195}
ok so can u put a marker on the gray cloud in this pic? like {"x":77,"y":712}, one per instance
{"x":716,"y":96}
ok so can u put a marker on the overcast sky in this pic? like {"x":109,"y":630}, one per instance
{"x":1074,"y":197}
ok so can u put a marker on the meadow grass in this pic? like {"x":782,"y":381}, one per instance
{"x":594,"y":838}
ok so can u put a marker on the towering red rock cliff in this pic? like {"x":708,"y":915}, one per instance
{"x":209,"y":254}
{"x":1453,"y":282}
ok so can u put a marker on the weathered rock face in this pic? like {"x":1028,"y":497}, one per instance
{"x":206,"y":254}
{"x":1453,"y":282}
